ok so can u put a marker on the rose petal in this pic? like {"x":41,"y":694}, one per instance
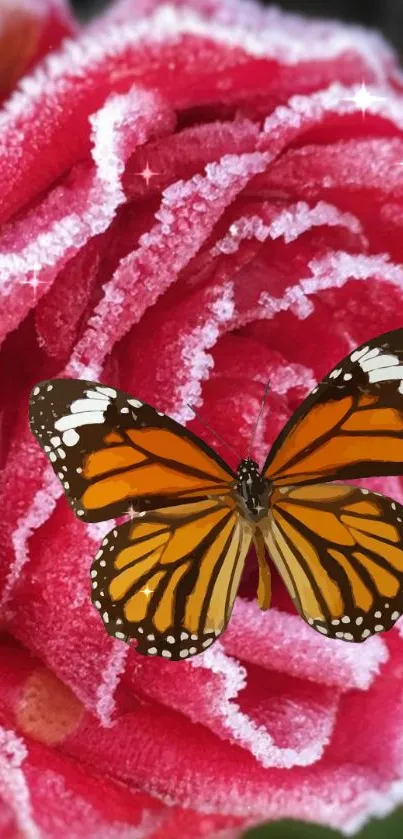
{"x":112,"y":59}
{"x":29,"y":30}
{"x":38,"y":246}
{"x":284,"y":643}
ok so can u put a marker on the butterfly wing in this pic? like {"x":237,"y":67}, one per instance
{"x":351,"y":426}
{"x":169,"y":577}
{"x":339,"y":550}
{"x":111,"y":451}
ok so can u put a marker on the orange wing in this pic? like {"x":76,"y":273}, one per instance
{"x":169,"y":578}
{"x":351,"y":426}
{"x":339,"y":550}
{"x":112,"y":452}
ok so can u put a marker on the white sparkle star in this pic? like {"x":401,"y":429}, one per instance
{"x":363,"y":98}
{"x":132,"y":512}
{"x":34,"y":282}
{"x":147,"y":173}
{"x":147,"y":591}
{"x":259,"y":509}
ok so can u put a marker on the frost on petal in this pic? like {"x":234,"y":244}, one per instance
{"x":309,"y":115}
{"x":185,"y":153}
{"x":362,"y":176}
{"x":172,"y":44}
{"x":289,"y":223}
{"x":243,"y":705}
{"x":60,"y":554}
{"x":283,"y":642}
{"x":37,"y":246}
{"x":186,"y":217}
{"x":14,"y":788}
{"x":191,"y":767}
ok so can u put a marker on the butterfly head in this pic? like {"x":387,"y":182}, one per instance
{"x":252,"y":490}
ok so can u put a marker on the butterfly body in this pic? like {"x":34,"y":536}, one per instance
{"x":168,"y":576}
{"x":252,"y":490}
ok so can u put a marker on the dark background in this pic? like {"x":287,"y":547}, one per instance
{"x":384,"y":14}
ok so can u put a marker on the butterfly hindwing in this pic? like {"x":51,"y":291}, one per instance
{"x":351,"y":426}
{"x":339,"y":550}
{"x":168,"y":578}
{"x":111,"y":451}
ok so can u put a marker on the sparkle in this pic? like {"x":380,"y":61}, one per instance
{"x":34,"y":282}
{"x":147,"y":173}
{"x":259,"y":509}
{"x":147,"y":591}
{"x":363,"y":98}
{"x":132,"y":512}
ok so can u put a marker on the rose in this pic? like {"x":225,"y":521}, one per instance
{"x":192,"y":202}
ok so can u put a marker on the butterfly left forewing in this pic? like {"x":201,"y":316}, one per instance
{"x":339,"y":550}
{"x":112,"y":452}
{"x":351,"y":425}
{"x":169,"y":578}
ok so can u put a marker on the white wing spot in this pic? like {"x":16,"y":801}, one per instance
{"x":370,"y":354}
{"x":135,"y":403}
{"x":335,"y":373}
{"x":394,"y":616}
{"x":386,"y":374}
{"x":56,"y":441}
{"x":80,"y":406}
{"x":106,"y":617}
{"x":379,"y":627}
{"x":358,"y":353}
{"x":382,"y":361}
{"x":108,"y":391}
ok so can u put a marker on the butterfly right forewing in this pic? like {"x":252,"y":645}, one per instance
{"x":351,"y":425}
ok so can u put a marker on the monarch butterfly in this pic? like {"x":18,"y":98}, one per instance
{"x":169,"y":575}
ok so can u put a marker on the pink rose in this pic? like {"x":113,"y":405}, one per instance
{"x":192,"y":200}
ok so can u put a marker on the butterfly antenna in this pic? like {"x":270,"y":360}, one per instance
{"x":213,"y":431}
{"x":267,"y":388}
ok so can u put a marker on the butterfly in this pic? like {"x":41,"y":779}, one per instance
{"x":168,"y":576}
